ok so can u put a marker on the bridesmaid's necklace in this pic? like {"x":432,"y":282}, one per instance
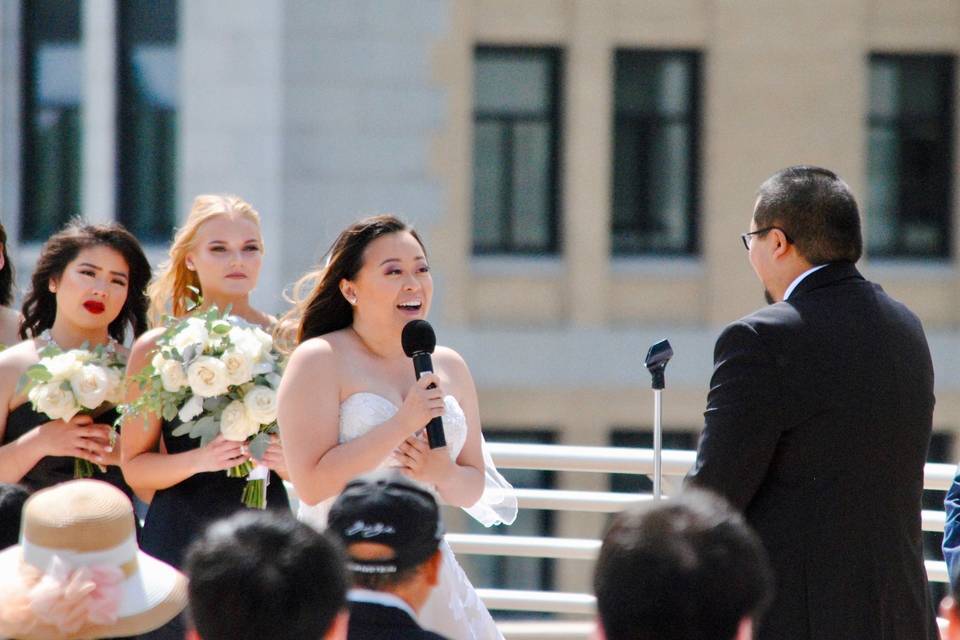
{"x":47,"y":339}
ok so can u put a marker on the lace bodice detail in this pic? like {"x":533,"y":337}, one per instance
{"x":361,"y":412}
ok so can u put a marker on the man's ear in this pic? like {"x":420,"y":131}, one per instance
{"x":191,"y":635}
{"x":432,"y":568}
{"x":338,"y":628}
{"x":745,"y":630}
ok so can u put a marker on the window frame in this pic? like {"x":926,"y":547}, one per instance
{"x":693,"y":119}
{"x":900,"y":123}
{"x":506,"y":245}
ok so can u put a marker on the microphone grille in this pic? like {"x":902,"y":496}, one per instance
{"x":418,"y":337}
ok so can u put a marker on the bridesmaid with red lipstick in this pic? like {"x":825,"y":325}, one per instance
{"x":89,"y":287}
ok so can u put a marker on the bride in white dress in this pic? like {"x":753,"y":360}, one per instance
{"x":349,"y":401}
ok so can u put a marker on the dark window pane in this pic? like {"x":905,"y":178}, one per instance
{"x":147,"y":125}
{"x":489,"y":183}
{"x":506,"y":572}
{"x":511,"y":84}
{"x":514,"y":154}
{"x":531,"y":184}
{"x":910,"y":154}
{"x":51,"y":116}
{"x":655,"y":152}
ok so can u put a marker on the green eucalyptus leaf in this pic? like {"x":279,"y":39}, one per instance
{"x":184,"y":429}
{"x":258,"y":446}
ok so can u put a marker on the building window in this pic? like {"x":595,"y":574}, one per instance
{"x":643,"y":439}
{"x":515,"y":146}
{"x":52,"y":90}
{"x":910,"y":156}
{"x":505,"y":572}
{"x":655,"y":149}
{"x":147,"y":117}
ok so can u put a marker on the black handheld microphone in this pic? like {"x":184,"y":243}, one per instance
{"x":419,"y":341}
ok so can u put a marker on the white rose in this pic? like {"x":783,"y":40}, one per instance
{"x":114,"y":385}
{"x":235,"y":424}
{"x":90,"y":386}
{"x":195,"y":333}
{"x":239,"y":366}
{"x":246,"y":341}
{"x":171,"y":373}
{"x":63,"y":365}
{"x":207,"y":377}
{"x":261,"y":404}
{"x":57,"y":403}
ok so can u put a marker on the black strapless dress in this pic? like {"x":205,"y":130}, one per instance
{"x":179,"y":514}
{"x":53,"y":470}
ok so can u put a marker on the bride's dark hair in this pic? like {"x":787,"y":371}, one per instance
{"x":324,"y":309}
{"x":40,"y":305}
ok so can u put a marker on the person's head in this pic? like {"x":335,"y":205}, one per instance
{"x":803,"y":216}
{"x":91,"y":276}
{"x":684,"y":569}
{"x":78,"y":572}
{"x":12,"y":497}
{"x":260,"y":574}
{"x":6,"y":271}
{"x":391,"y":530}
{"x":376,"y":269}
{"x":217,"y":251}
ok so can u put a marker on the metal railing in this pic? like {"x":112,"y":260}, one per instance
{"x":675,"y":464}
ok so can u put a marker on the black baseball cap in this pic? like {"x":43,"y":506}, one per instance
{"x":388,"y":508}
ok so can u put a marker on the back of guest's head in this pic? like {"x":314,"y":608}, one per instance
{"x":815,"y":209}
{"x":12,"y":497}
{"x":684,"y":569}
{"x":390,"y":527}
{"x":264,"y":575}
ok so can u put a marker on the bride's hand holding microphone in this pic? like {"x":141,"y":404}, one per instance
{"x":423,"y":403}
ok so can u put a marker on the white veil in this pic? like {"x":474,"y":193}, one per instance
{"x":498,"y":504}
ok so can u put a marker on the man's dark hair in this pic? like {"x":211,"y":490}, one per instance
{"x":263,"y":575}
{"x":12,"y":498}
{"x":815,"y":209}
{"x":685,"y":569}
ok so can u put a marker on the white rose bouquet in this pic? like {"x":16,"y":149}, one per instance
{"x":218,"y":374}
{"x":66,"y":383}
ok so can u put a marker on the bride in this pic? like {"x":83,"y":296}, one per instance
{"x":349,"y":401}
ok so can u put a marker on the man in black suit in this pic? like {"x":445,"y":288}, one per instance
{"x":391,"y":530}
{"x":817,"y":423}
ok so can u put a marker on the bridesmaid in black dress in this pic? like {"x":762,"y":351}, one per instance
{"x":89,"y":286}
{"x":218,"y":251}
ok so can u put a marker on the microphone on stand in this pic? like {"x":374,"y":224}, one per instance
{"x":419,"y":341}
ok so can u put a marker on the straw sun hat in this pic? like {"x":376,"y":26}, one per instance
{"x":78,"y":573}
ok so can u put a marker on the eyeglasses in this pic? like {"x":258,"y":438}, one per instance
{"x":747,"y":238}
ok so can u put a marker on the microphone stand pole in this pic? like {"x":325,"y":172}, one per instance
{"x":656,"y":362}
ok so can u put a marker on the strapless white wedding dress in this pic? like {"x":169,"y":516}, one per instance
{"x":454,"y":609}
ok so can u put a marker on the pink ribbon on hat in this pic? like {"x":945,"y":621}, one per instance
{"x":65,"y":597}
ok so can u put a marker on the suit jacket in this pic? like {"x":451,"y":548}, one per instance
{"x":817,"y":425}
{"x":370,"y":621}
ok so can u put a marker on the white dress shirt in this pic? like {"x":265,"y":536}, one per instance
{"x":799,"y":279}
